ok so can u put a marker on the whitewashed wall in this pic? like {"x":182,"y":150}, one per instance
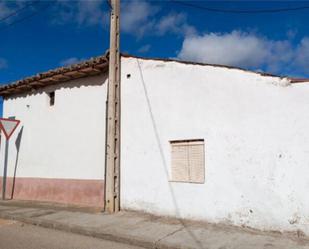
{"x":256,"y":132}
{"x":65,"y":141}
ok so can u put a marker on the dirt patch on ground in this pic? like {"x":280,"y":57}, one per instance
{"x":6,"y":222}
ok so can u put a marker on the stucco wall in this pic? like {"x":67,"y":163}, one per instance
{"x":256,"y":144}
{"x":64,"y":141}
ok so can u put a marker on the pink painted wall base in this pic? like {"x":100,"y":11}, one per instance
{"x":67,"y":191}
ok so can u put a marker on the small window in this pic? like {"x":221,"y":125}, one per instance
{"x":51,"y":98}
{"x":188,"y":161}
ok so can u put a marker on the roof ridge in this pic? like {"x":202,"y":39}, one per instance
{"x":97,"y":65}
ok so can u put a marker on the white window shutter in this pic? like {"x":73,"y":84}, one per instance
{"x":180,"y":167}
{"x":196,"y":163}
{"x":188,"y":162}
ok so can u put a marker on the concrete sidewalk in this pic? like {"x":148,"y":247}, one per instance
{"x":149,"y":231}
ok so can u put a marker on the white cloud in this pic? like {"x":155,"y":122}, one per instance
{"x":90,"y":12}
{"x":9,"y":7}
{"x":302,"y":55}
{"x":70,"y":61}
{"x":144,"y":49}
{"x":4,"y":10}
{"x":136,"y":17}
{"x":82,"y":12}
{"x":3,"y":63}
{"x":280,"y":54}
{"x":140,"y":18}
{"x":291,"y":33}
{"x":175,"y":23}
{"x":246,"y":50}
{"x":234,"y":48}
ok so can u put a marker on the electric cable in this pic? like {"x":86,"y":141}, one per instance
{"x":26,"y":17}
{"x":261,"y":11}
{"x":18,"y":10}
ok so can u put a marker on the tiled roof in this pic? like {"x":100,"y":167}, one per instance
{"x":90,"y":67}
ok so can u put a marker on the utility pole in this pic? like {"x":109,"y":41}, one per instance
{"x":112,"y":173}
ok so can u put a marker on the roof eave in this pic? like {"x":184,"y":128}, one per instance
{"x":91,"y":67}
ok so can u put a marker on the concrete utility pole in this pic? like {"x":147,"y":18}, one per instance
{"x":112,"y":175}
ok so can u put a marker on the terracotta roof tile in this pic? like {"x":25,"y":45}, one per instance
{"x":89,"y":67}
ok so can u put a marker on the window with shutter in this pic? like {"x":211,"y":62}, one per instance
{"x":187,"y":158}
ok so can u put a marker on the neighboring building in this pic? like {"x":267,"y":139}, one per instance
{"x":60,"y":157}
{"x":198,"y":141}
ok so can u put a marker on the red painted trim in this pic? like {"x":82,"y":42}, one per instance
{"x":4,"y":131}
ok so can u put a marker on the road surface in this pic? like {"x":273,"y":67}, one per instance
{"x":15,"y":235}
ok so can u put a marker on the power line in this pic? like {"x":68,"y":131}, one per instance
{"x":26,"y":17}
{"x":19,"y":10}
{"x":262,"y":11}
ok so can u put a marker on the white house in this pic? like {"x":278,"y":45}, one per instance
{"x":198,"y":141}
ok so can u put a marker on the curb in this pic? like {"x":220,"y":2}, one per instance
{"x":144,"y":236}
{"x":51,"y":205}
{"x":86,"y":232}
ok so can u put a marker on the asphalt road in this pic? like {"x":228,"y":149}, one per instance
{"x":15,"y":235}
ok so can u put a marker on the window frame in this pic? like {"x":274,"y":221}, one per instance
{"x":187,"y":144}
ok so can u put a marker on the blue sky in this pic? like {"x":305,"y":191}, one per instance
{"x":66,"y":32}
